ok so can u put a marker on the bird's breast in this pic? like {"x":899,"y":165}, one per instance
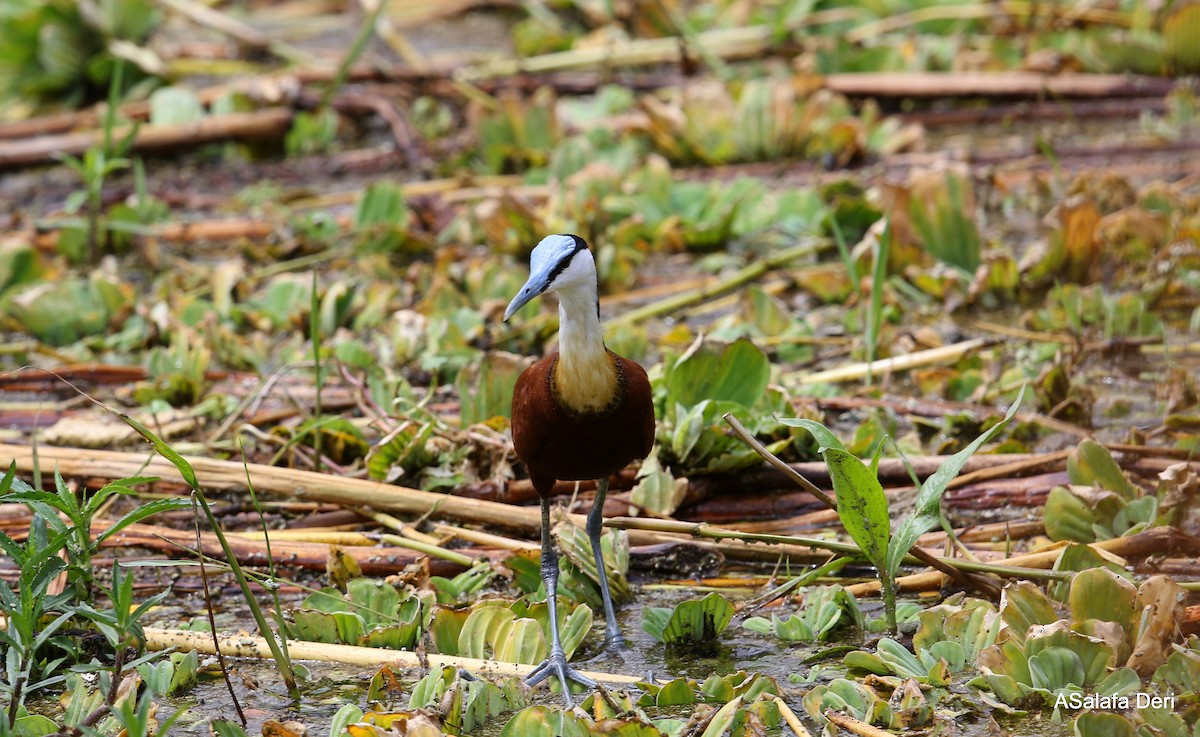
{"x":557,"y":442}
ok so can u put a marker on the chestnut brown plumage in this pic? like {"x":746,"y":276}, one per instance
{"x":582,"y":413}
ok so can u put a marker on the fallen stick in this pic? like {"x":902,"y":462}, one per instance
{"x":997,"y":84}
{"x":856,"y":371}
{"x":1154,"y":540}
{"x":247,"y":646}
{"x":270,"y":122}
{"x":352,"y":492}
{"x":855,"y":726}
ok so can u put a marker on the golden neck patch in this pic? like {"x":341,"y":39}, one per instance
{"x":588,"y":384}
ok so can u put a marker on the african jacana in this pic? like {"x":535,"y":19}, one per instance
{"x":581,"y":413}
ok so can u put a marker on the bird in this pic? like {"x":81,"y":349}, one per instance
{"x":578,"y":414}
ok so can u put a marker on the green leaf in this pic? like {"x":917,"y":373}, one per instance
{"x":924,"y":516}
{"x":675,"y":693}
{"x":222,"y":728}
{"x":722,"y":721}
{"x":1023,"y":605}
{"x":1102,"y":724}
{"x":149,"y":509}
{"x":862,"y":505}
{"x":174,"y":105}
{"x":575,"y":628}
{"x":1098,"y":593}
{"x":657,"y":490}
{"x":1090,"y":464}
{"x":654,"y":621}
{"x":520,"y":641}
{"x":737,"y":372}
{"x":478,"y":636}
{"x":697,"y":623}
{"x":164,"y":450}
{"x":382,"y":203}
{"x":1056,"y":668}
{"x":545,"y":721}
{"x":1068,"y":517}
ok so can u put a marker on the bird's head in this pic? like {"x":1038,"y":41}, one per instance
{"x":558,"y":262}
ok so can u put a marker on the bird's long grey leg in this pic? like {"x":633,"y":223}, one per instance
{"x":556,"y":664}
{"x":595,"y":520}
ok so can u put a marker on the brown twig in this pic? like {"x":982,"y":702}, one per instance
{"x":259,"y":124}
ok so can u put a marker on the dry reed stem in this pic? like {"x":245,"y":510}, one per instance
{"x":245,"y":646}
{"x":350,"y":492}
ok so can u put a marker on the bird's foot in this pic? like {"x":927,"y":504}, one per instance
{"x":614,"y":643}
{"x":556,"y":664}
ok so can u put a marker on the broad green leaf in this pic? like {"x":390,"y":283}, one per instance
{"x":1102,"y":724}
{"x":654,"y":621}
{"x":223,"y":728}
{"x":675,"y":693}
{"x":862,"y":505}
{"x":722,"y":721}
{"x":1023,"y":605}
{"x":575,"y":628}
{"x":378,"y":602}
{"x":382,"y":203}
{"x":335,"y":628}
{"x":1056,"y":668}
{"x":1095,"y":655}
{"x":445,"y":629}
{"x":694,"y":623}
{"x":545,"y":721}
{"x":657,"y":490}
{"x":737,"y":372}
{"x":1068,"y":517}
{"x":1090,"y":464}
{"x":478,"y":636}
{"x":520,"y":641}
{"x":345,"y":716}
{"x":698,"y":622}
{"x":1078,"y":557}
{"x":924,"y":516}
{"x":1098,"y":593}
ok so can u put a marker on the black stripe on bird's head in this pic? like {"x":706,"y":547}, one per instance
{"x":548,"y":263}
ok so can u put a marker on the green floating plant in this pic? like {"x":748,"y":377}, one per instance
{"x":826,"y":608}
{"x":863,"y":507}
{"x":747,"y":707}
{"x":691,"y":625}
{"x":514,"y":632}
{"x":371,"y":613}
{"x":1181,"y":672}
{"x":62,"y":312}
{"x":1100,"y":503}
{"x":465,"y":584}
{"x":907,"y":708}
{"x":1112,"y":633}
{"x":461,"y":704}
{"x":715,"y":689}
{"x":948,"y":641}
{"x":695,"y":391}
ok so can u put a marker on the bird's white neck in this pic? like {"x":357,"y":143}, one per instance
{"x":586,"y":378}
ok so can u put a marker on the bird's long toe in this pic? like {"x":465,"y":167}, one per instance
{"x":556,"y":665}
